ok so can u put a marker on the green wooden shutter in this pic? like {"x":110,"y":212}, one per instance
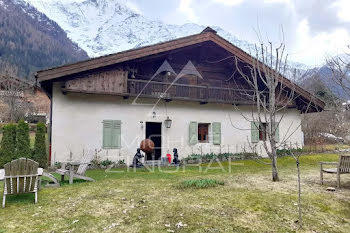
{"x":116,"y":139}
{"x":254,"y":132}
{"x":193,"y":133}
{"x":277,"y":133}
{"x":216,"y":133}
{"x":111,"y":134}
{"x":107,"y":133}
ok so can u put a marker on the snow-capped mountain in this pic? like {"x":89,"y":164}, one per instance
{"x":326,"y":76}
{"x":103,"y":27}
{"x":107,"y":26}
{"x":30,"y":41}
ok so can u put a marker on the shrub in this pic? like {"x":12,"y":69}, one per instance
{"x":106,"y":163}
{"x":221,"y":157}
{"x":200,"y":183}
{"x":8,"y":144}
{"x":58,"y":165}
{"x":22,"y":140}
{"x":121,"y":162}
{"x":40,"y":154}
{"x":286,"y":152}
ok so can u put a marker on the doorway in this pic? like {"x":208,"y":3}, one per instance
{"x":154,"y":132}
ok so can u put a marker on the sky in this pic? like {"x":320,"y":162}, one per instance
{"x":312,"y":30}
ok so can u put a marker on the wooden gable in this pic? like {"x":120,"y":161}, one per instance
{"x":112,"y":81}
{"x":129,"y":73}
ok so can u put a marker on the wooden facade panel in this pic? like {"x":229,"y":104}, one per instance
{"x":114,"y":81}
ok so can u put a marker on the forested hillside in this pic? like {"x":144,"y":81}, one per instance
{"x":29,"y":41}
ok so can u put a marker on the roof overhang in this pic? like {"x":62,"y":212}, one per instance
{"x":206,"y":35}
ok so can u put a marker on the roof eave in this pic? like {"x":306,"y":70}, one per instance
{"x":95,"y":63}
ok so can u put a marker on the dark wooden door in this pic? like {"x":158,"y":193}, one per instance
{"x":154,"y":132}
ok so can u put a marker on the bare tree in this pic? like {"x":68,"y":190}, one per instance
{"x":340,"y":67}
{"x":12,"y":95}
{"x":271,"y":94}
{"x":296,"y":157}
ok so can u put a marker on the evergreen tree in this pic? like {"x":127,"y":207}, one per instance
{"x":8,"y":144}
{"x":40,"y":155}
{"x":22,"y":140}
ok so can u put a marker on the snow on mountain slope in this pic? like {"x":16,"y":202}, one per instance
{"x":103,"y":27}
{"x":107,"y":26}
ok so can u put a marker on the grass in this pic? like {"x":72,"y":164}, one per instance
{"x":150,"y":201}
{"x":200,"y":183}
{"x":325,"y":147}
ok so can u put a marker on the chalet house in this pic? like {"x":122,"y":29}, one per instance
{"x":182,"y":94}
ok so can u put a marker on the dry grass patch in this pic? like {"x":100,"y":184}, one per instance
{"x":151,"y":202}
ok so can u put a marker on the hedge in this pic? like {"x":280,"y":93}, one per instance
{"x":8,"y":144}
{"x":40,"y":154}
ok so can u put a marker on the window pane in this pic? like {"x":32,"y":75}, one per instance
{"x":203,"y":132}
{"x":262,"y":131}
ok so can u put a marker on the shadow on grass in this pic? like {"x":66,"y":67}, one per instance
{"x":27,"y":198}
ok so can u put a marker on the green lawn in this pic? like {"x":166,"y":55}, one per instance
{"x":146,"y":201}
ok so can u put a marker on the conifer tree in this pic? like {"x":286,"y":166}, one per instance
{"x":22,"y":140}
{"x":8,"y":144}
{"x":40,"y":155}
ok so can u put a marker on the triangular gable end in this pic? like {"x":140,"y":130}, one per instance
{"x":208,"y":34}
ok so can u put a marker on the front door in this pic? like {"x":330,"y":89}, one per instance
{"x":154,"y":132}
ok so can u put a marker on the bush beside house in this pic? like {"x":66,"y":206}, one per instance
{"x":8,"y":144}
{"x":22,"y":140}
{"x":198,"y":158}
{"x":15,"y":143}
{"x":39,"y":154}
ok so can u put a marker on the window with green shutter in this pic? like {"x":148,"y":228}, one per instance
{"x":259,"y":132}
{"x":216,"y":133}
{"x":193,"y":133}
{"x":254,"y":130}
{"x":111,"y":134}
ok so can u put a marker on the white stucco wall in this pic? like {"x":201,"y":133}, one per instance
{"x":77,"y":125}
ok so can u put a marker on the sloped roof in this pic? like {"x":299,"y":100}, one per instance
{"x":208,"y":34}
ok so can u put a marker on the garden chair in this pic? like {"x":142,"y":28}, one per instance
{"x":343,"y":167}
{"x":21,"y":176}
{"x":80,"y":172}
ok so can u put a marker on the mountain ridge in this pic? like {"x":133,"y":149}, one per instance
{"x":104,"y":27}
{"x":30,"y":41}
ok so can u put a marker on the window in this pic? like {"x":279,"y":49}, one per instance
{"x":199,"y":132}
{"x":262,"y":131}
{"x":259,"y":132}
{"x":203,"y":130}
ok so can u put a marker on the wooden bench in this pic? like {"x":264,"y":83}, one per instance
{"x":342,"y":167}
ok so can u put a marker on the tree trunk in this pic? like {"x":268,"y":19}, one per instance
{"x":299,"y":195}
{"x":274,"y":168}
